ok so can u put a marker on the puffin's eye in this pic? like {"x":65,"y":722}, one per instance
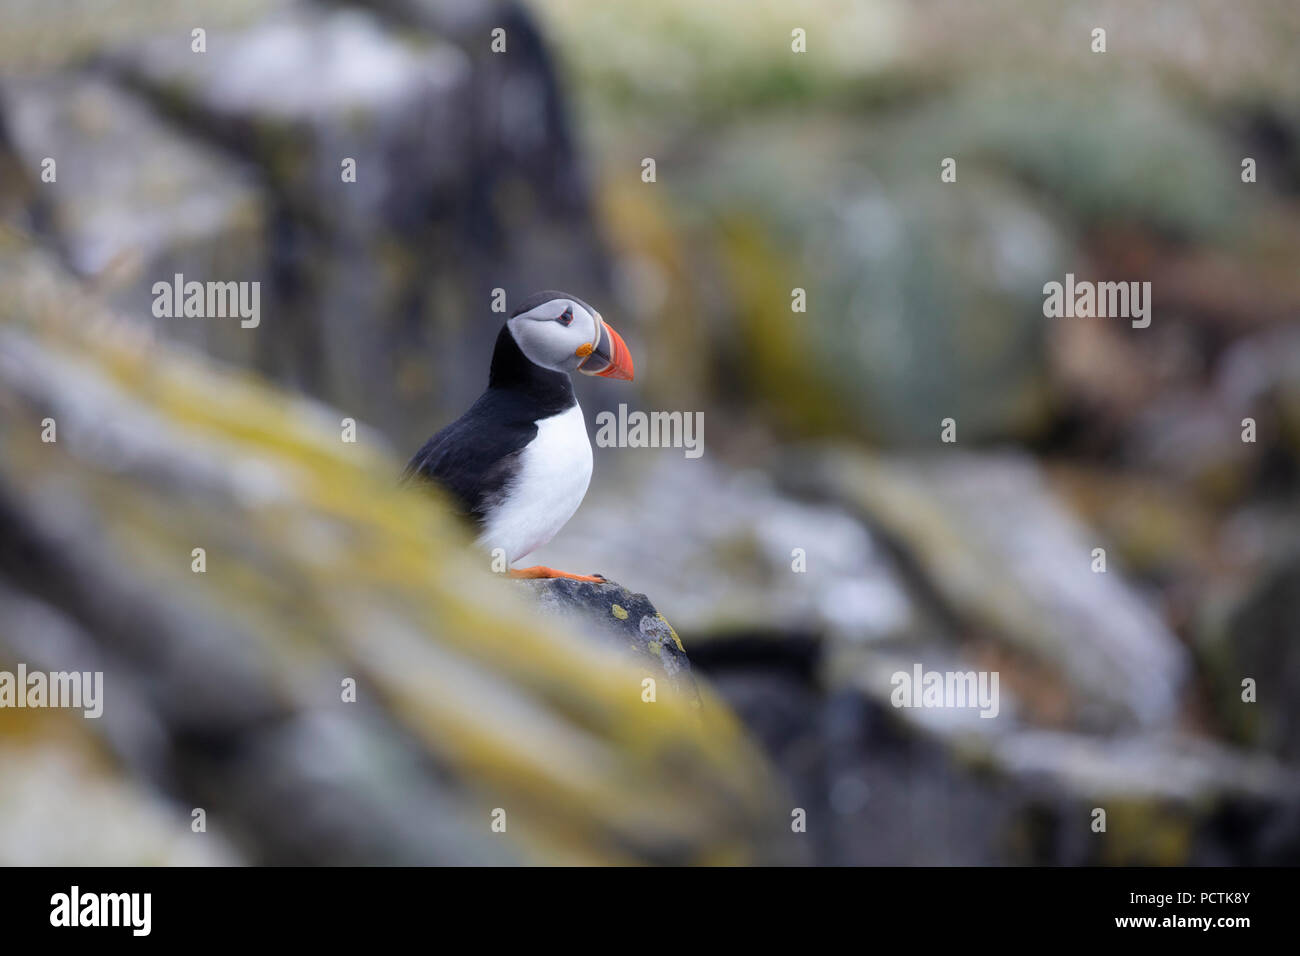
{"x":567,"y":317}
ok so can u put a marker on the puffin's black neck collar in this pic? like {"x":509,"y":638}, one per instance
{"x":514,"y":371}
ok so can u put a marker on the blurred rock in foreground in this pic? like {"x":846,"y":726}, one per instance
{"x":224,"y":690}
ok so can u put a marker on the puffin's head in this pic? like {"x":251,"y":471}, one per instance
{"x":561,"y":332}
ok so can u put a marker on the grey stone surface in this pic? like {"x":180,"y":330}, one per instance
{"x":626,"y":619}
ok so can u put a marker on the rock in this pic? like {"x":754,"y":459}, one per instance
{"x":103,"y":819}
{"x":628,"y":620}
{"x":893,"y":786}
{"x":129,"y":187}
{"x":887,"y":263}
{"x":998,"y":549}
{"x":1252,"y":635}
{"x":61,"y":802}
{"x":1183,"y":769}
{"x":454,"y":149}
{"x":716,"y":532}
{"x":36,"y":36}
{"x":137,"y":201}
{"x":295,"y":95}
{"x":674,"y":61}
{"x":301,"y":89}
{"x":1027,"y":797}
{"x":229,"y":686}
{"x":1112,"y":154}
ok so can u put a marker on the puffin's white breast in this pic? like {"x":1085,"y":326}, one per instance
{"x":551,"y":481}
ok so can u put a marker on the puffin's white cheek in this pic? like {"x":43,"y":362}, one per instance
{"x":549,"y":345}
{"x":558,"y":348}
{"x":572,"y":357}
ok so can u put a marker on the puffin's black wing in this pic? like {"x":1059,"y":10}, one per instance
{"x":477,"y":455}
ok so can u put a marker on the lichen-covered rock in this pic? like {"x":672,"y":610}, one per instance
{"x":629,"y":620}
{"x":299,"y":646}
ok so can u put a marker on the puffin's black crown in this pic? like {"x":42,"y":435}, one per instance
{"x":537,"y":298}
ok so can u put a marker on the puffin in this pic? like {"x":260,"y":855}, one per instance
{"x":518,"y":462}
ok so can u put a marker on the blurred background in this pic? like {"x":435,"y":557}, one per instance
{"x":774,"y":170}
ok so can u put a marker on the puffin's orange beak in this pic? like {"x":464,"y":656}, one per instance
{"x":611,"y":358}
{"x":620,"y":365}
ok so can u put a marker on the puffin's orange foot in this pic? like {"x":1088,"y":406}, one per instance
{"x":539,"y":571}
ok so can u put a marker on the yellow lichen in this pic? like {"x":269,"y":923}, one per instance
{"x":676,"y":640}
